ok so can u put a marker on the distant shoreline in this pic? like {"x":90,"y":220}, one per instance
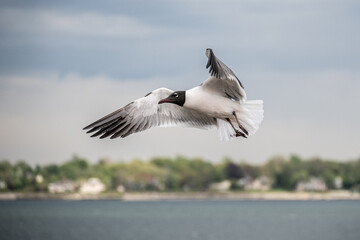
{"x":169,"y":196}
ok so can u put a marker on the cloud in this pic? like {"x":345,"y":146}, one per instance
{"x":40,"y":23}
{"x":100,"y":38}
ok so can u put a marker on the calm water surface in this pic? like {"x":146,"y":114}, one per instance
{"x":230,"y":220}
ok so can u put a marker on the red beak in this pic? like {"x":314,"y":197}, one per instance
{"x":165,"y":100}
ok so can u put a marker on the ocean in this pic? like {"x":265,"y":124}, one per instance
{"x":180,"y":220}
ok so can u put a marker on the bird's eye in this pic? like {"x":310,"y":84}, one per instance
{"x":176,"y":95}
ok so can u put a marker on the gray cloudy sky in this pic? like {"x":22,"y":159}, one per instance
{"x":64,"y":64}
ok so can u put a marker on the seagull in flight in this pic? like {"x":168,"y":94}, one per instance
{"x":218,"y":102}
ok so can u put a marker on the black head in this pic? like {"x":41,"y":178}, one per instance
{"x":177,"y":97}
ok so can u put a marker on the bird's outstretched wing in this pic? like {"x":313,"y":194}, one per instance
{"x":145,"y":113}
{"x":223,"y":81}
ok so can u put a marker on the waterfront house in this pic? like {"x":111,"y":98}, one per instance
{"x":262,"y":183}
{"x":92,"y":186}
{"x":220,"y":186}
{"x":63,"y":186}
{"x":39,"y":178}
{"x":3,"y":185}
{"x":338,"y":183}
{"x":120,"y":188}
{"x":313,"y":185}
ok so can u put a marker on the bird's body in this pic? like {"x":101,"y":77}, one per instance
{"x":219,"y":102}
{"x":216,"y":106}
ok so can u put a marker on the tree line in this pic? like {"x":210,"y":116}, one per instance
{"x":178,"y":173}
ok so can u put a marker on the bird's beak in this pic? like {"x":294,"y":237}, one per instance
{"x":165,"y":100}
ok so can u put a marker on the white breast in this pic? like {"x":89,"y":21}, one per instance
{"x":211,"y":104}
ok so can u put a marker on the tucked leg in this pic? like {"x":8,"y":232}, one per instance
{"x":237,"y":132}
{"x":240,"y":126}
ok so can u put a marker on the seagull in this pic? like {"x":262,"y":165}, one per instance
{"x":219,"y":102}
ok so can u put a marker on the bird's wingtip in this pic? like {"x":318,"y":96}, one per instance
{"x":88,"y":126}
{"x":208,"y":52}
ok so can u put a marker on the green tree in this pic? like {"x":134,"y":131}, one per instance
{"x":75,"y":168}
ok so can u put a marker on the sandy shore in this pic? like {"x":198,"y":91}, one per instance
{"x":166,"y":196}
{"x":241,"y":196}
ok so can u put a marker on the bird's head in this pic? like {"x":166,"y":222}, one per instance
{"x":177,"y":97}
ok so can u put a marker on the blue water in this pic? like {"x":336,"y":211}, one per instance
{"x":230,"y":220}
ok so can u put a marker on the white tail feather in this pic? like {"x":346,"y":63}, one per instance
{"x":250,"y":114}
{"x":225,"y":131}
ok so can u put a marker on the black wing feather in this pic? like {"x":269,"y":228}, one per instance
{"x":217,"y":68}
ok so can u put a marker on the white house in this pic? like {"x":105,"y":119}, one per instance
{"x":92,"y":186}
{"x":262,"y":183}
{"x":62,"y":186}
{"x":313,"y":184}
{"x":2,"y":185}
{"x":221,"y":186}
{"x":39,"y":178}
{"x":120,"y":188}
{"x":338,"y":182}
